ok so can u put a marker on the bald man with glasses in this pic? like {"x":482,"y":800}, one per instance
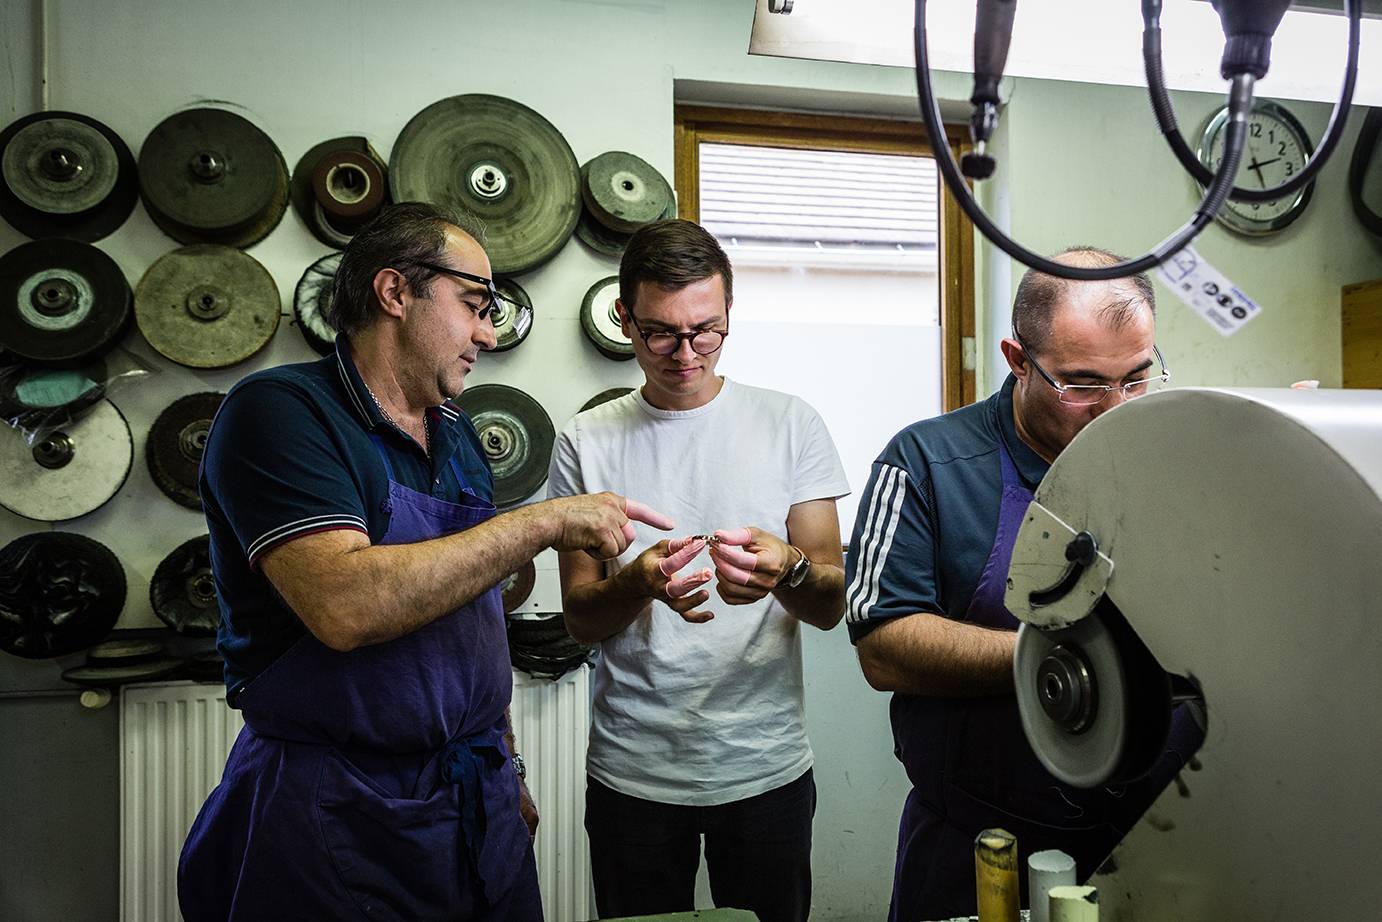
{"x":698,"y":721}
{"x":927,"y":571}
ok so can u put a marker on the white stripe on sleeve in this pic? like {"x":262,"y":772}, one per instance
{"x":878,"y":530}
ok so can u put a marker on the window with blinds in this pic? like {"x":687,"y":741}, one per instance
{"x":821,"y":206}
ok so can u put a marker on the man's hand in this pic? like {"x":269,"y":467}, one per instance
{"x":749,"y":563}
{"x":600,"y":524}
{"x":527,"y":808}
{"x":653,"y":575}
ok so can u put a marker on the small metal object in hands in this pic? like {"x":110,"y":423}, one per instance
{"x":710,"y":540}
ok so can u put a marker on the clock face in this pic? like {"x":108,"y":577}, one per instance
{"x":1277,"y":149}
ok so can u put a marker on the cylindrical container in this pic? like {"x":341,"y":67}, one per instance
{"x":1074,"y":904}
{"x":995,"y":876}
{"x":1051,"y":868}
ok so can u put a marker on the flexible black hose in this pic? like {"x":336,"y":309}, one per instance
{"x":1166,"y":115}
{"x":1240,"y":105}
{"x":1363,"y":153}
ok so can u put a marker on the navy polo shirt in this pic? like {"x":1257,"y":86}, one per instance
{"x":296,"y":450}
{"x":928,"y":516}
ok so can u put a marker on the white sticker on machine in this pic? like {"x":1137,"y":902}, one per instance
{"x":1222,"y":304}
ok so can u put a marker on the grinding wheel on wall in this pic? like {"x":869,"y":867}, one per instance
{"x":518,"y":587}
{"x":175,"y":445}
{"x":516,"y":435}
{"x":600,"y":320}
{"x":512,"y":315}
{"x":338,"y":186}
{"x":623,"y":192}
{"x":541,"y":646}
{"x":63,"y":174}
{"x":36,"y":400}
{"x":608,"y":242}
{"x":499,"y":160}
{"x":67,"y":473}
{"x":311,"y":298}
{"x":101,"y":674}
{"x":207,"y":306}
{"x":614,"y":393}
{"x":59,"y":593}
{"x":62,"y":302}
{"x":211,"y":176}
{"x":183,"y":590}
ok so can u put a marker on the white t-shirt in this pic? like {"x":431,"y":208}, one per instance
{"x":701,"y":714}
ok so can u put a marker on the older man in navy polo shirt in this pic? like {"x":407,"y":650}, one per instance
{"x":927,"y":570}
{"x":357,"y":558}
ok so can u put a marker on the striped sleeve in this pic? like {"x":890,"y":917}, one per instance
{"x":890,"y":568}
{"x":273,"y":471}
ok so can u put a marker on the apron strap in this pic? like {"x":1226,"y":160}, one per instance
{"x":383,"y":454}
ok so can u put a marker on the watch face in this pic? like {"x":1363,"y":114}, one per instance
{"x":1277,"y":149}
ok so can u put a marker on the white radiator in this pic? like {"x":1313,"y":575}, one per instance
{"x":174,"y":739}
{"x":551,"y":724}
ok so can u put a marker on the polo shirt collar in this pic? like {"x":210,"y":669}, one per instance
{"x":358,"y":394}
{"x":1029,"y":464}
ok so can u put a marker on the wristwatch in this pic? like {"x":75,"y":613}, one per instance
{"x":520,"y":767}
{"x":795,"y":576}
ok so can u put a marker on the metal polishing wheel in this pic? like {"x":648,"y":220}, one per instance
{"x":211,"y":176}
{"x":512,"y":315}
{"x":518,"y":587}
{"x":338,"y":186}
{"x":624,"y":192}
{"x":600,"y":320}
{"x":101,"y":675}
{"x":62,"y":302}
{"x":67,"y":473}
{"x":183,"y":590}
{"x":614,"y":393}
{"x":499,"y":160}
{"x":63,"y":174}
{"x":59,"y":593}
{"x":175,"y":445}
{"x":600,"y":238}
{"x":112,"y":652}
{"x":311,"y":299}
{"x":1073,"y":698}
{"x":207,"y":306}
{"x":516,"y":435}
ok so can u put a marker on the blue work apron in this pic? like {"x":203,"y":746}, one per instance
{"x":373,"y":784}
{"x":972,"y":768}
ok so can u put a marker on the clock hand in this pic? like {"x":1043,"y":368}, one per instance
{"x":1257,"y":168}
{"x":1269,"y":162}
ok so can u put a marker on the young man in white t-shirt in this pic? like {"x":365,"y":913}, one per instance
{"x":698,"y":721}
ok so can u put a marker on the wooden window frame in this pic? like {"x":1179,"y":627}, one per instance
{"x":697,"y":124}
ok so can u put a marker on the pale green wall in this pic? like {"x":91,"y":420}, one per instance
{"x":1082,"y":164}
{"x":1087,"y":165}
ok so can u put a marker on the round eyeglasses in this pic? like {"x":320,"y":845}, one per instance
{"x":666,"y":342}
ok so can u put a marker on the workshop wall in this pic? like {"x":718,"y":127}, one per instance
{"x":606,"y":73}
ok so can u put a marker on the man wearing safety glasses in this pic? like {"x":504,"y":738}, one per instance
{"x":698,"y":724}
{"x":357,"y":558}
{"x":927,"y":572}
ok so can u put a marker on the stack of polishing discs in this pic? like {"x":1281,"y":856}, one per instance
{"x":338,"y":186}
{"x":620,"y":194}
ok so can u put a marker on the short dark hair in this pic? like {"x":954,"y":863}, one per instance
{"x":671,"y":255}
{"x":1039,"y":295}
{"x":401,"y":236}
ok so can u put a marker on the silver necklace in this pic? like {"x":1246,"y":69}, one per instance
{"x":426,"y":433}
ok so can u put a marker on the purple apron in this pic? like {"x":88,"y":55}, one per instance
{"x":373,"y":784}
{"x":972,"y":768}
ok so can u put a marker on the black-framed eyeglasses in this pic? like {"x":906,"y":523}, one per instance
{"x":493,"y":296}
{"x":1088,"y":395}
{"x":666,"y":342}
